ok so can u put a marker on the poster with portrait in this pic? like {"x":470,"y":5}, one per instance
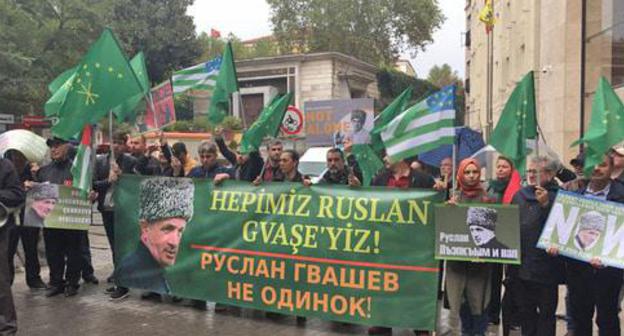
{"x":163,"y":112}
{"x":478,"y":232}
{"x":332,"y":122}
{"x":56,"y":206}
{"x":585,"y":228}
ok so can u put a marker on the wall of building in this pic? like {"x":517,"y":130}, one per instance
{"x":316,"y":80}
{"x":531,"y":35}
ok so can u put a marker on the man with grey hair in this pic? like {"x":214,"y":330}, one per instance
{"x":533,"y":285}
{"x":482,"y":224}
{"x":165,"y":207}
{"x":359,"y":134}
{"x":44,"y":197}
{"x":590,"y":228}
{"x":209,"y":167}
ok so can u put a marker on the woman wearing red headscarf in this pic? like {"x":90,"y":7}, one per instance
{"x":468,"y":284}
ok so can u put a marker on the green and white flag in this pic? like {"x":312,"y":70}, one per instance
{"x":202,"y":76}
{"x":82,"y":169}
{"x":422,"y":127}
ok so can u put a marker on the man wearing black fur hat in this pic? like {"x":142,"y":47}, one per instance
{"x":482,"y":224}
{"x":166,"y":206}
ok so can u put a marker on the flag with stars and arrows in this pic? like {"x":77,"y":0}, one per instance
{"x":606,"y":127}
{"x":517,"y":123}
{"x":126,"y":111}
{"x":102,"y":81}
{"x":267,"y":124}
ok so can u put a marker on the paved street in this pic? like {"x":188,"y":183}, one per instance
{"x":92,"y":313}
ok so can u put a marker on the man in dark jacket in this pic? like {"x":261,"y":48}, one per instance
{"x":271,"y":167}
{"x":591,"y":286}
{"x":104,"y":178}
{"x":145,"y":163}
{"x":210,"y":167}
{"x":63,"y":246}
{"x":28,"y":235}
{"x":337,"y":171}
{"x":247,"y":167}
{"x":165,"y":206}
{"x":534,"y":283}
{"x":11,"y":195}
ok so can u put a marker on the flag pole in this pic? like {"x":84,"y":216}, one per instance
{"x":92,"y":161}
{"x":241,"y":109}
{"x":490,"y":80}
{"x":110,"y":134}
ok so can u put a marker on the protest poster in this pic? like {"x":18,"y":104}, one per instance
{"x":163,"y":112}
{"x":54,"y":206}
{"x":478,"y":232}
{"x":355,"y":255}
{"x":332,"y":122}
{"x":583,"y":228}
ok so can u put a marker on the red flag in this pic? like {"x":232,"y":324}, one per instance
{"x":215,"y":33}
{"x":163,"y":112}
{"x":515,"y":184}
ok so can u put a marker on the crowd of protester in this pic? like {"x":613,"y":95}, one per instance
{"x":475,"y":294}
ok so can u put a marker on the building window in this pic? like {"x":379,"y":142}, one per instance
{"x":604,"y":42}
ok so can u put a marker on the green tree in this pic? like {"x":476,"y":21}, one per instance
{"x":392,"y":82}
{"x":444,"y":75}
{"x":212,"y":47}
{"x":161,"y":29}
{"x":40,"y":39}
{"x":374,"y":31}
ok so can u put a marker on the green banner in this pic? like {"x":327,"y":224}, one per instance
{"x":354,"y":255}
{"x":478,"y":232}
{"x":584,"y":228}
{"x":56,"y":206}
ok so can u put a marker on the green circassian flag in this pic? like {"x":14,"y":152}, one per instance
{"x":126,"y":110}
{"x":103,"y":80}
{"x":267,"y":124}
{"x":368,"y":161}
{"x":517,"y":123}
{"x":60,"y":80}
{"x":606,"y":127}
{"x":226,"y":84}
{"x":398,"y":105}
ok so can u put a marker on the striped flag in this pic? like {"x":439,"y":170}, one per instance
{"x":422,"y":127}
{"x":82,"y":169}
{"x":202,"y":76}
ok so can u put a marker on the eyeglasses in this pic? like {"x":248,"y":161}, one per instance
{"x":535,"y":171}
